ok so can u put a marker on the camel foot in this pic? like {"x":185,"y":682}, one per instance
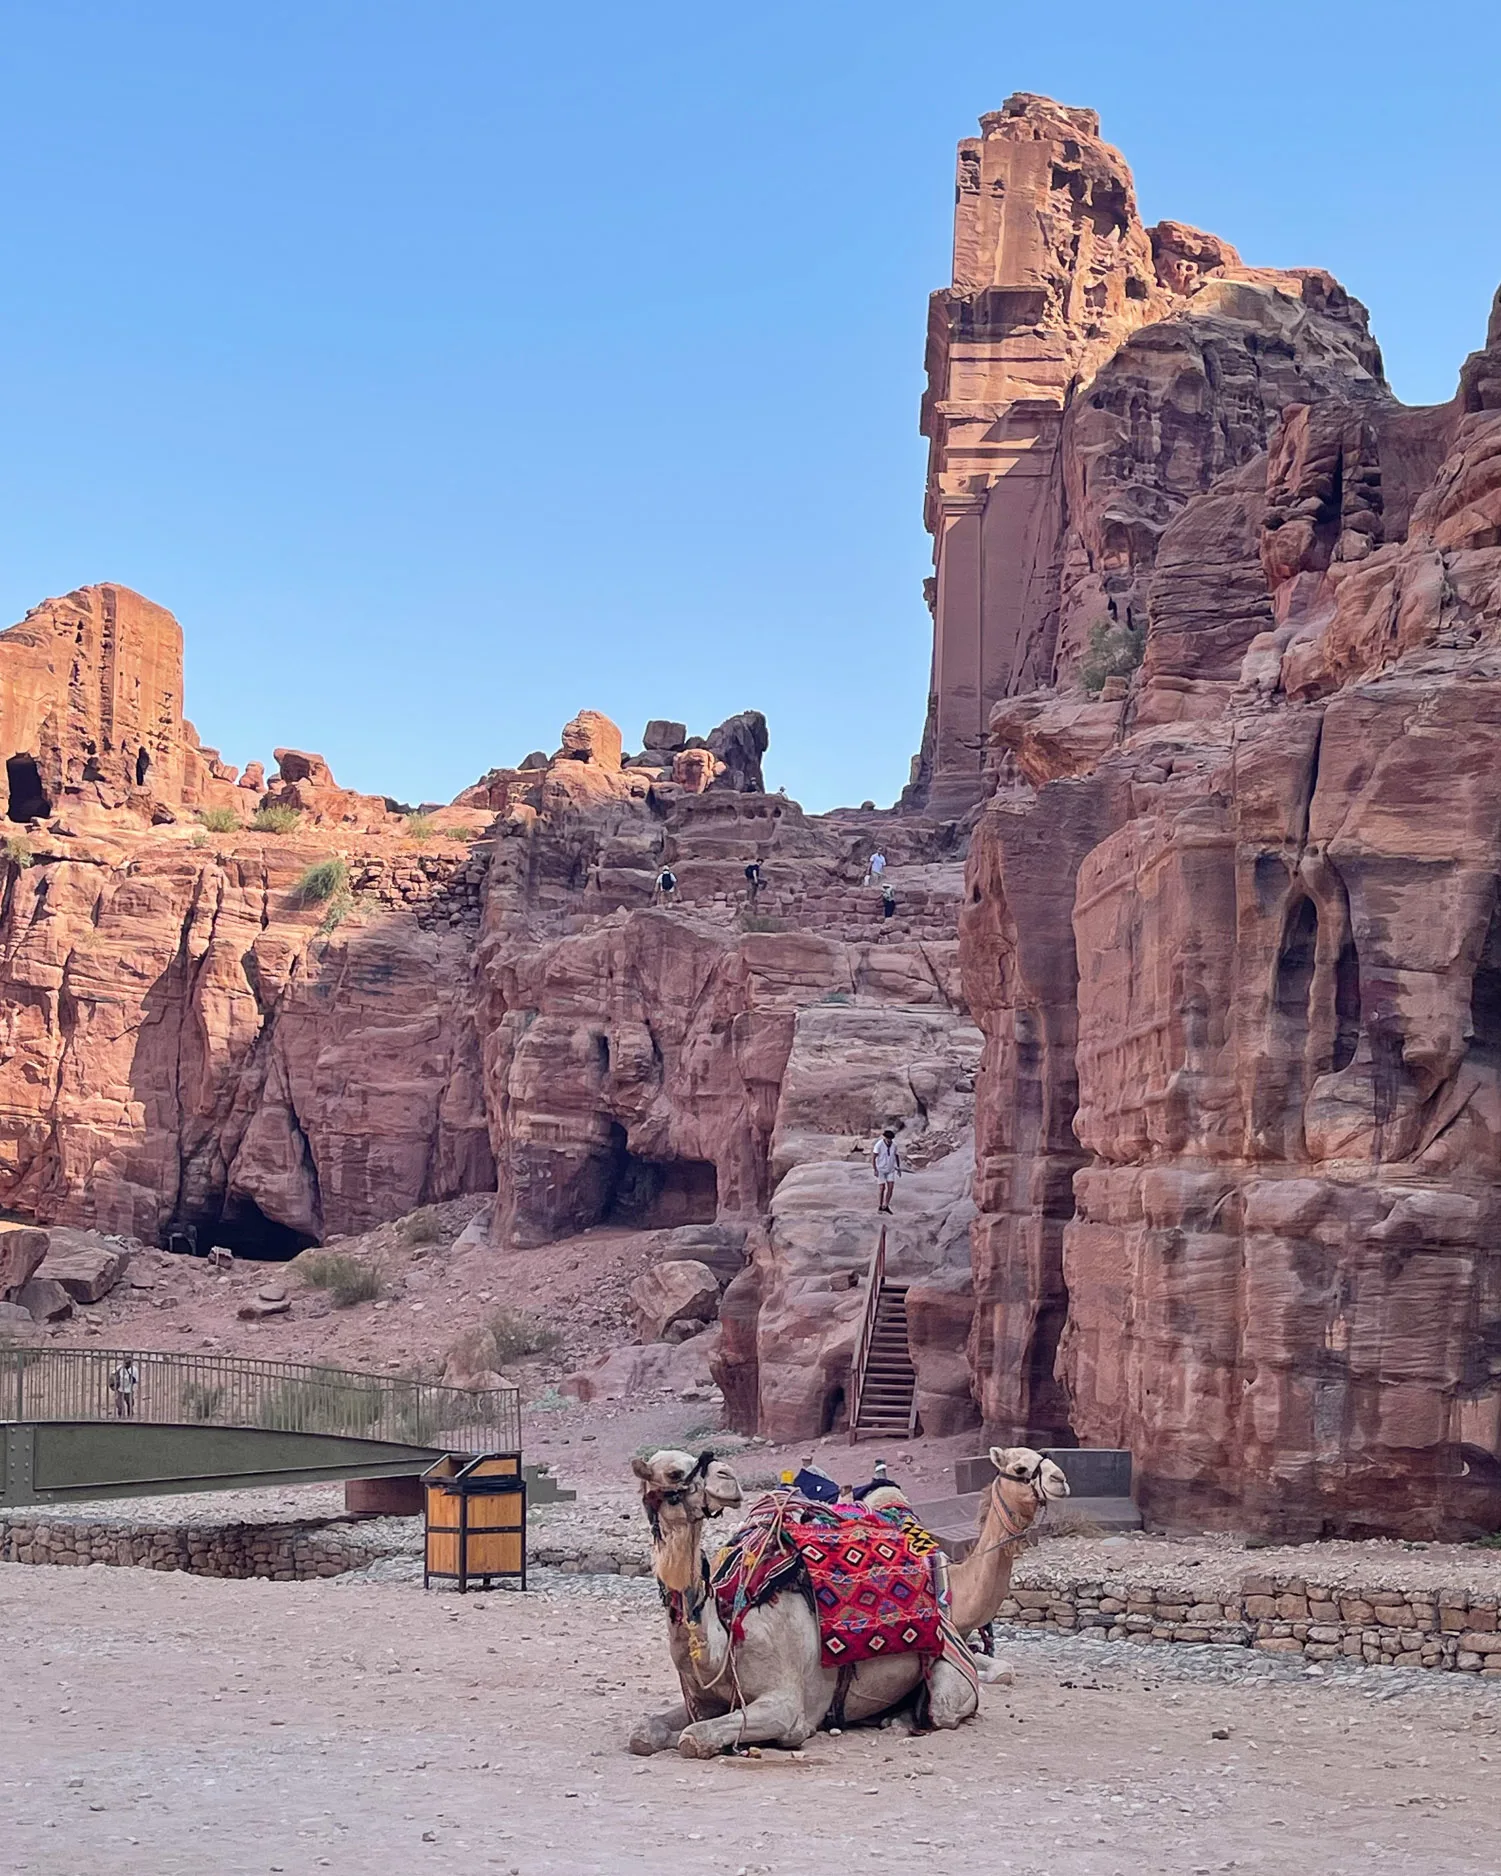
{"x":692,"y":1747}
{"x":993,"y":1673}
{"x":655,"y":1733}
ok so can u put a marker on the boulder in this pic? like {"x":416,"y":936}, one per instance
{"x":663,"y":735}
{"x":21,"y":1252}
{"x":660,"y":1368}
{"x":694,"y":769}
{"x":45,"y":1300}
{"x":720,"y":1247}
{"x":739,"y":744}
{"x":14,"y":1319}
{"x":591,"y":737}
{"x":678,"y":1291}
{"x":87,"y":1265}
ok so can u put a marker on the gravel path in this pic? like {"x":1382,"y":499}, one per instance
{"x":161,"y":1725}
{"x":1218,"y":1566}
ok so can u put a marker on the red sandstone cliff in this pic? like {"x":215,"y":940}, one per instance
{"x":1229,"y":925}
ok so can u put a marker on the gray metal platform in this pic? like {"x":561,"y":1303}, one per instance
{"x":955,"y":1521}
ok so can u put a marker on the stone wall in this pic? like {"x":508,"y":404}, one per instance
{"x":286,"y":1553}
{"x":1453,"y":1628}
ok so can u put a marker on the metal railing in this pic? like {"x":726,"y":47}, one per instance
{"x":235,"y":1391}
{"x":875,"y":1279}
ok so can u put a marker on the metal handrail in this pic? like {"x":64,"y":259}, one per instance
{"x":875,"y":1279}
{"x":41,"y":1384}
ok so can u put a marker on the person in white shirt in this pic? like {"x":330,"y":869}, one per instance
{"x":887,"y":1164}
{"x":876,"y":868}
{"x":123,"y":1383}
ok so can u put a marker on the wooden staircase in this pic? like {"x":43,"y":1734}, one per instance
{"x":883,"y":1390}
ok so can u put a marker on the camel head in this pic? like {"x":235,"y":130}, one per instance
{"x":1024,"y":1484}
{"x":679,"y":1492}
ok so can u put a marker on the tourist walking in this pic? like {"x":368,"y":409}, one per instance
{"x":752,"y":880}
{"x":888,"y":901}
{"x":887,"y":1163}
{"x":875,"y":868}
{"x":123,"y":1384}
{"x":667,"y":885}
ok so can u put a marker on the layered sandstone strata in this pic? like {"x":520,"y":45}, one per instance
{"x":1087,"y":377}
{"x":1229,"y":934}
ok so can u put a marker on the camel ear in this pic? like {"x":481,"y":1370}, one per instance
{"x":641,"y":1468}
{"x":1000,"y":1457}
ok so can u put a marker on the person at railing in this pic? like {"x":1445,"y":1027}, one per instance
{"x":123,"y":1384}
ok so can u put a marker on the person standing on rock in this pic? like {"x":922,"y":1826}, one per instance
{"x":752,"y":880}
{"x":888,"y":901}
{"x":667,"y":885}
{"x":123,"y":1384}
{"x":887,"y":1163}
{"x":876,"y":868}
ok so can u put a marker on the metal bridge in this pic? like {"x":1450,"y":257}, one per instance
{"x":204,"y":1423}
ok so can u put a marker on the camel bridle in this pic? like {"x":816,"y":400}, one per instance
{"x":1015,"y":1531}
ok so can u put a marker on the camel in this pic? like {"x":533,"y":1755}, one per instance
{"x":1023,"y":1485}
{"x":772,"y":1687}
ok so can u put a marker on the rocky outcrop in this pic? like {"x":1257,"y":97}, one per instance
{"x":91,"y":712}
{"x":190,"y":1041}
{"x":1229,"y":938}
{"x":1087,"y":378}
{"x":727,"y":1064}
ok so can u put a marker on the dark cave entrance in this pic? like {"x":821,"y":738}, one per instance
{"x":143,"y":768}
{"x":652,"y":1195}
{"x":28,"y":798}
{"x":246,"y":1230}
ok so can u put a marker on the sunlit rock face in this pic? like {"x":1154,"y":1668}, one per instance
{"x":1231,"y":933}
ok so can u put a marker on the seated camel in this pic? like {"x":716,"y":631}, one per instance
{"x":771,"y":1686}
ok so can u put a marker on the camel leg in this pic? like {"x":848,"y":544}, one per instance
{"x":777,"y":1717}
{"x":951,"y":1698}
{"x":658,"y":1732}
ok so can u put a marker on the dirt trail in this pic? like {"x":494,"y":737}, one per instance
{"x":161,"y":1725}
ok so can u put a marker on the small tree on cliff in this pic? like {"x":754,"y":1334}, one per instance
{"x":1112,"y":651}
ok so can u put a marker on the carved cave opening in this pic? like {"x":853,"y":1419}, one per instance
{"x":1346,"y":1006}
{"x":143,"y":768}
{"x":28,"y":798}
{"x":245,"y":1229}
{"x":656,"y":1195}
{"x":1485,"y":996}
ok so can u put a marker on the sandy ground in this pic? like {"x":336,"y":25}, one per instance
{"x":158,"y":1725}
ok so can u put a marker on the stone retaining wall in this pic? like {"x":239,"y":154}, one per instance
{"x":287,"y":1553}
{"x":1450,"y":1628}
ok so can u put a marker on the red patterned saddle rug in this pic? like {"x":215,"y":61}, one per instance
{"x":872,"y":1576}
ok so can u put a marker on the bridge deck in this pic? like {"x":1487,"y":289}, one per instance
{"x":209,"y":1422}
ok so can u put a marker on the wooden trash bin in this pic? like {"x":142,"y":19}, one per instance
{"x":476,"y":1520}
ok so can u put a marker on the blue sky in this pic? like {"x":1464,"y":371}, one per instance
{"x":449,"y":368}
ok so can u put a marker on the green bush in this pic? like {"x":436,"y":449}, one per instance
{"x":220,"y":820}
{"x":420,"y":827}
{"x":421,"y":1226}
{"x":336,"y":911}
{"x":515,"y":1333}
{"x":322,"y":882}
{"x":348,"y":1280}
{"x":18,"y":851}
{"x":1112,"y":651}
{"x":275,"y":818}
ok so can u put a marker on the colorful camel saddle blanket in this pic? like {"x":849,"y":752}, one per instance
{"x":873,"y":1577}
